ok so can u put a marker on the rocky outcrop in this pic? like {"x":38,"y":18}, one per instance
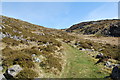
{"x":12,"y":71}
{"x":101,"y":27}
{"x":115,"y":30}
{"x":115,"y":73}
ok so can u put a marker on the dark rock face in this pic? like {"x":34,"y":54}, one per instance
{"x":102,"y":27}
{"x":115,"y":73}
{"x":115,"y":30}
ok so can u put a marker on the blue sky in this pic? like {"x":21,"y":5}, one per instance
{"x":60,"y":15}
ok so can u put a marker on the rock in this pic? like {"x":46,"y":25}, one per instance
{"x":37,"y":60}
{"x":33,"y":55}
{"x":117,"y":65}
{"x":2,"y":27}
{"x":1,"y":68}
{"x":93,"y":56}
{"x":67,"y":41}
{"x":100,"y":55}
{"x":115,"y":73}
{"x":2,"y":77}
{"x":80,"y":48}
{"x":77,"y":44}
{"x":14,"y":70}
{"x":102,"y":59}
{"x":83,"y":49}
{"x":100,"y":49}
{"x":108,"y":64}
{"x":89,"y":50}
{"x":93,"y":49}
{"x":114,"y":30}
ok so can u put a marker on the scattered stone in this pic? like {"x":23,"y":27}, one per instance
{"x":117,"y":65}
{"x":1,"y":68}
{"x":2,"y":77}
{"x":14,"y":70}
{"x":93,"y":56}
{"x":77,"y":44}
{"x":2,"y":27}
{"x":37,"y":60}
{"x":15,"y":30}
{"x":33,"y":55}
{"x":89,"y":50}
{"x":100,"y":49}
{"x":108,"y":64}
{"x":83,"y":49}
{"x":100,"y":55}
{"x":80,"y":48}
{"x":67,"y":41}
{"x":93,"y":49}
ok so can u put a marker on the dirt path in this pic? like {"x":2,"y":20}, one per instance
{"x":80,"y":65}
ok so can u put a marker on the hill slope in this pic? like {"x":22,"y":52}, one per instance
{"x":49,"y":53}
{"x":101,"y":27}
{"x":30,"y":45}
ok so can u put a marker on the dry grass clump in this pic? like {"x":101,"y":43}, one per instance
{"x":24,"y":60}
{"x":10,"y":41}
{"x":107,"y":49}
{"x":27,"y":74}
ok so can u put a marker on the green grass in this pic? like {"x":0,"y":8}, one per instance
{"x":80,"y":65}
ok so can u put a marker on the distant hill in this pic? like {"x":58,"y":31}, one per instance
{"x":100,"y":27}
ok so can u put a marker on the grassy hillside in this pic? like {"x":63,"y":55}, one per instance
{"x":23,"y":39}
{"x":46,"y":53}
